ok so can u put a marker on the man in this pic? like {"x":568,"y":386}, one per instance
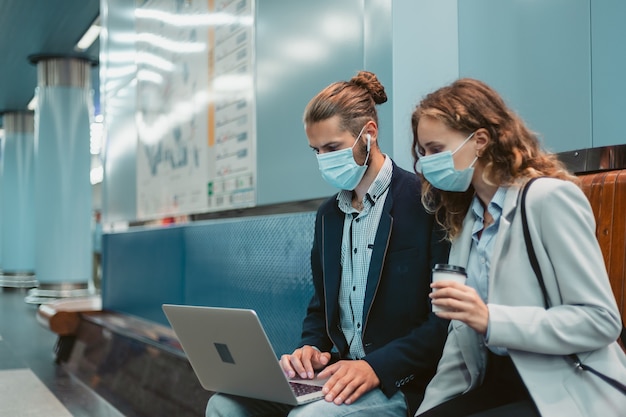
{"x":368,"y":327}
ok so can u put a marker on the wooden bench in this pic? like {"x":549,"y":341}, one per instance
{"x":606,"y":191}
{"x":62,"y":316}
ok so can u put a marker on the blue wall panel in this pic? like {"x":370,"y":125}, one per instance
{"x":261,"y":263}
{"x":425,"y":55}
{"x":557,"y":62}
{"x":301,"y":47}
{"x":378,"y":58}
{"x":608,"y":36}
{"x":142,"y":270}
{"x":118,"y":95}
{"x":537,"y":54}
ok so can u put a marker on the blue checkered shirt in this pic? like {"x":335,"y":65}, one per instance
{"x":359,"y":232}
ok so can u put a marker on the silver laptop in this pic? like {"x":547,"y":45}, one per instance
{"x":230,"y":353}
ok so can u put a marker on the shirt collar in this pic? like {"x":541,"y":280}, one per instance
{"x":374,"y":192}
{"x":494,"y":207}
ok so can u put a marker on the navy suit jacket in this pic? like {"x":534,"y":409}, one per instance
{"x":403,"y":340}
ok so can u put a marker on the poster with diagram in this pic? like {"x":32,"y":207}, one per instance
{"x":232,"y":141}
{"x":195,"y":107}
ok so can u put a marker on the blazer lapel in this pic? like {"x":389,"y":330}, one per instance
{"x":332,"y":229}
{"x":468,"y":340}
{"x":460,"y":250}
{"x":378,"y":258}
{"x":381,"y":242}
{"x":508,"y":213}
{"x":466,"y":337}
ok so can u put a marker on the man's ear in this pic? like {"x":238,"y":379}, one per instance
{"x":371,"y":129}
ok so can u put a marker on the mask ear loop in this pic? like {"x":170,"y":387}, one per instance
{"x":369,"y":140}
{"x":464,"y":142}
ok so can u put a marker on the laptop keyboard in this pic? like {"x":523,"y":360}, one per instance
{"x":302,"y":389}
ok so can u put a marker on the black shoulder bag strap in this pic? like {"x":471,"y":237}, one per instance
{"x":535,"y":264}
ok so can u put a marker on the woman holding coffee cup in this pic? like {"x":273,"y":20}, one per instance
{"x":506,"y":353}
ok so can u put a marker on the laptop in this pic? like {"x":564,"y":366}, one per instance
{"x":230,"y":353}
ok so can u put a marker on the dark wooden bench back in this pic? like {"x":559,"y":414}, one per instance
{"x":607,"y":193}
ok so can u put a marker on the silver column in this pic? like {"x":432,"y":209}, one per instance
{"x":63,"y":195}
{"x":17,"y":201}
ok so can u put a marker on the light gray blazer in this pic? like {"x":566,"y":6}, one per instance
{"x":583,"y":319}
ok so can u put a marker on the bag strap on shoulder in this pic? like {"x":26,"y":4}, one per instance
{"x":535,"y":264}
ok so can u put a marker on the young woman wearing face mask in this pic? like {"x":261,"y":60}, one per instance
{"x":506,"y":354}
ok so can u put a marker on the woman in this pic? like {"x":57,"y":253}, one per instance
{"x":506,"y":354}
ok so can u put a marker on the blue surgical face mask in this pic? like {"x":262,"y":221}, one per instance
{"x":440,"y":172}
{"x":340,"y":169}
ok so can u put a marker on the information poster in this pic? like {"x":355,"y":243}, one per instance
{"x":195,"y":107}
{"x":232,"y":153}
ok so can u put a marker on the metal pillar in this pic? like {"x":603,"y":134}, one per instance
{"x":17,"y":201}
{"x":1,"y":159}
{"x":63,"y":195}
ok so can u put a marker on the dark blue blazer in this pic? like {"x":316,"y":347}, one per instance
{"x":403,"y":340}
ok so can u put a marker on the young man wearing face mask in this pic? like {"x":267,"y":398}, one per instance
{"x":369,"y":327}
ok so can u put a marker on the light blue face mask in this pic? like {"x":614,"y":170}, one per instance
{"x":340,"y":169}
{"x":440,"y":172}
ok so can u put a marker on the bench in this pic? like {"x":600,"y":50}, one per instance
{"x":606,"y":192}
{"x":62,"y":316}
{"x":93,"y":341}
{"x":138,"y":366}
{"x":126,"y":351}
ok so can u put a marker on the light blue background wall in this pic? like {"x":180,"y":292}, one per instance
{"x":557,"y":62}
{"x":608,"y":75}
{"x":118,"y":96}
{"x":378,"y":58}
{"x":537,"y":54}
{"x":301,"y":47}
{"x":425,"y":56}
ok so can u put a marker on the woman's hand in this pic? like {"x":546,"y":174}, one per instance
{"x":461,"y":303}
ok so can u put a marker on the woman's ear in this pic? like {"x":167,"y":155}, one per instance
{"x":482,"y":139}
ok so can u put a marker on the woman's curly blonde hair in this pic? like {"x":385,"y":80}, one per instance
{"x":513,"y":154}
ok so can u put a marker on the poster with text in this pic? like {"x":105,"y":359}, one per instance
{"x":195,"y":107}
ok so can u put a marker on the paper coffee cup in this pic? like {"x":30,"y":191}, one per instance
{"x":445,"y":272}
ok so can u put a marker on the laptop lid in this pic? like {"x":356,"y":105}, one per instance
{"x":230,"y":353}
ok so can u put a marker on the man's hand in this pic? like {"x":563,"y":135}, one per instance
{"x":348,"y":380}
{"x":304,"y":362}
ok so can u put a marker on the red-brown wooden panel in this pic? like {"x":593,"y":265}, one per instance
{"x":602,"y":194}
{"x":607,"y":194}
{"x":586,"y":183}
{"x":618,"y":263}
